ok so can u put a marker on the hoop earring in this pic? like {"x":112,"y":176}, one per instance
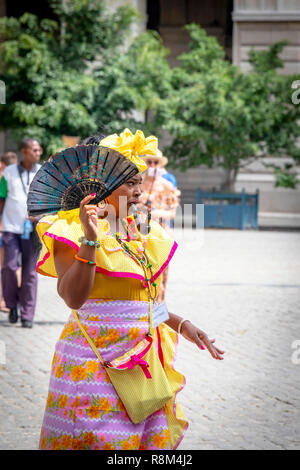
{"x":102,"y":204}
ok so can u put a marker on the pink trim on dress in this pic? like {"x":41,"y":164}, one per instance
{"x":173,"y":249}
{"x":60,"y":239}
{"x":98,"y":268}
{"x":136,"y":359}
{"x":159,"y":348}
{"x":118,"y":274}
{"x":43,"y":260}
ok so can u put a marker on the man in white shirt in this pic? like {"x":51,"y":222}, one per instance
{"x":14,"y":187}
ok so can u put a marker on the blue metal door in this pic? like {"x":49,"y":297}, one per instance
{"x":229,"y":210}
{"x":223,"y":216}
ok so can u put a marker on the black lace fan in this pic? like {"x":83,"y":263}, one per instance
{"x":70,"y":175}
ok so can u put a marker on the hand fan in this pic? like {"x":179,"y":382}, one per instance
{"x":70,"y":175}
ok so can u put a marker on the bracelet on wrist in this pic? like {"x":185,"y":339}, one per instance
{"x":83,"y":260}
{"x":180,"y":325}
{"x":85,"y":241}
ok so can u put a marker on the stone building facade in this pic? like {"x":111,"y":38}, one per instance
{"x":257,"y":24}
{"x":238,"y":26}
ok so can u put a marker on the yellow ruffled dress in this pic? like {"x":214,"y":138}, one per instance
{"x":83,"y":410}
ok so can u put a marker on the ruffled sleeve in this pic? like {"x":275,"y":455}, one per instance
{"x":65,"y":227}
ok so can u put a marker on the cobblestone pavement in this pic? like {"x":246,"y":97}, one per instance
{"x":241,"y":287}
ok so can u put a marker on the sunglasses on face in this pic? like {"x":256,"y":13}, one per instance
{"x":156,"y":162}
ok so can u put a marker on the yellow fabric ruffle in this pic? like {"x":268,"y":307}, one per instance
{"x":113,"y":266}
{"x":132,"y":146}
{"x":177,"y":422}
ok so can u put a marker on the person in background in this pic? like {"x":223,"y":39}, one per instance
{"x":18,"y":234}
{"x":172,"y":178}
{"x":162,"y":197}
{"x":6,"y":159}
{"x":169,"y":176}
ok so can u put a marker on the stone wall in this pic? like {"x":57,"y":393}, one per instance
{"x":214,"y":17}
{"x":140,"y":6}
{"x":260,"y":23}
{"x":257,"y":24}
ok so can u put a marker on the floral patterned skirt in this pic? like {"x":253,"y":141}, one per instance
{"x":83,"y":410}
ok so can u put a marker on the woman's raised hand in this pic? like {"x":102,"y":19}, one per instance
{"x":88,"y":217}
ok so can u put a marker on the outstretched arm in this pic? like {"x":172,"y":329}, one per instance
{"x":195,"y":335}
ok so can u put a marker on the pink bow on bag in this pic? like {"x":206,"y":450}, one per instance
{"x":135,"y":360}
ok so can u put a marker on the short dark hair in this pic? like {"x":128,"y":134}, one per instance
{"x":25,"y":143}
{"x":9,"y":158}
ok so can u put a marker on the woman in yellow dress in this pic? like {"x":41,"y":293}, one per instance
{"x":99,"y":278}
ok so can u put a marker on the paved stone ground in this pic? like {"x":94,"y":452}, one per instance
{"x":241,"y":287}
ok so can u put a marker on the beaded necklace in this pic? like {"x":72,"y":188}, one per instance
{"x":141,"y":261}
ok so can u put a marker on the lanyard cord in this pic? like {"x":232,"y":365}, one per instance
{"x":140,"y":263}
{"x":23,"y":185}
{"x":147,"y":280}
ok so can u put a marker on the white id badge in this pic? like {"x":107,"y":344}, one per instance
{"x":160,"y":314}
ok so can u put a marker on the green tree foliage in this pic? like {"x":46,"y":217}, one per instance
{"x":74,"y":76}
{"x":132,"y":86}
{"x":48,"y":93}
{"x":220,"y":116}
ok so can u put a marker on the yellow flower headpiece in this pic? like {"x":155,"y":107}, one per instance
{"x":132,"y":146}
